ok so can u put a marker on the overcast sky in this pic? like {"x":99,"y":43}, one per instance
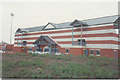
{"x":40,"y":13}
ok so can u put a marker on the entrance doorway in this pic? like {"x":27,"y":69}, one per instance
{"x":115,"y":53}
{"x":2,"y":48}
{"x":46,"y":49}
{"x":24,"y":50}
{"x":85,"y":52}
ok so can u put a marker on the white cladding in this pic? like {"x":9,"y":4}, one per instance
{"x":107,"y":46}
{"x":49,"y":26}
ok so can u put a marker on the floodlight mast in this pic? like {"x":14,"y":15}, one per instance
{"x":11,"y":28}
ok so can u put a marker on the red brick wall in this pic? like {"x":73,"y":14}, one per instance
{"x":108,"y":53}
{"x":103,"y":52}
{"x":9,"y":47}
{"x":76,"y":51}
{"x":18,"y":49}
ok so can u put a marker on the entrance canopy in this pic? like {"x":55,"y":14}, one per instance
{"x":41,"y":41}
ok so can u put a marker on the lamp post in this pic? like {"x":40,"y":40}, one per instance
{"x":11,"y":28}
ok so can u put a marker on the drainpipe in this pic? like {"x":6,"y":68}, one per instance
{"x":81,"y":35}
{"x":17,"y":38}
{"x":21,"y":38}
{"x":72,"y":35}
{"x":50,"y":48}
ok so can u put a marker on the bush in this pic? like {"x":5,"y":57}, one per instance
{"x":38,"y":67}
{"x":9,"y":54}
{"x":103,"y":73}
{"x":21,"y":54}
{"x":23,"y":63}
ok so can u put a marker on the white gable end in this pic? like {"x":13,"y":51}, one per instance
{"x":49,"y":26}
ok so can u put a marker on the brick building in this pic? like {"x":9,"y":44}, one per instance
{"x":97,"y":37}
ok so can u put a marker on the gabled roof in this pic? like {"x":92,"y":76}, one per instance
{"x":32,"y":29}
{"x":77,"y":23}
{"x":52,"y":24}
{"x":89,"y":22}
{"x":46,"y":38}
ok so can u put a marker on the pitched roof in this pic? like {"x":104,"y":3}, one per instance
{"x":94,"y":21}
{"x":77,"y":23}
{"x":101,"y":20}
{"x":2,"y":42}
{"x":46,"y":38}
{"x":31,"y":29}
{"x":50,"y":24}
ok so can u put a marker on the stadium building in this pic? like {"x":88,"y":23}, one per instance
{"x":96,"y":37}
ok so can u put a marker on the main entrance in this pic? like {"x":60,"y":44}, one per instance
{"x":85,"y":52}
{"x":44,"y":44}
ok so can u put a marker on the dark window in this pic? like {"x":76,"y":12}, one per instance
{"x":97,"y":52}
{"x":91,"y":52}
{"x":67,"y":51}
{"x":24,"y":43}
{"x":56,"y":50}
{"x":37,"y":49}
{"x":40,"y":49}
{"x":30,"y":49}
{"x":83,"y":42}
{"x":46,"y":50}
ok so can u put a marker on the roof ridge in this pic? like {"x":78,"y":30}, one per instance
{"x":98,"y":17}
{"x":63,"y":22}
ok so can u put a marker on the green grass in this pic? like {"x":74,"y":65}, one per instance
{"x":35,"y":66}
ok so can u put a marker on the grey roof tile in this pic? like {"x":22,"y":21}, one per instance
{"x":95,"y":21}
{"x":46,"y":38}
{"x":101,"y":20}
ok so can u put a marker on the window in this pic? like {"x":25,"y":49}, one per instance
{"x":30,"y":49}
{"x":24,"y":43}
{"x":46,"y":50}
{"x":56,"y":50}
{"x":40,"y":49}
{"x":37,"y":49}
{"x":83,"y":42}
{"x":97,"y":52}
{"x":67,"y":51}
{"x":91,"y":52}
{"x":2,"y":48}
{"x":53,"y":50}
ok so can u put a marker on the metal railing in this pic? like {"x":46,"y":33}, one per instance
{"x":78,"y":43}
{"x":21,"y":43}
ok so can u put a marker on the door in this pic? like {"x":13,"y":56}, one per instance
{"x":24,"y":50}
{"x":115,"y":53}
{"x":85,"y":53}
{"x":2,"y":48}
